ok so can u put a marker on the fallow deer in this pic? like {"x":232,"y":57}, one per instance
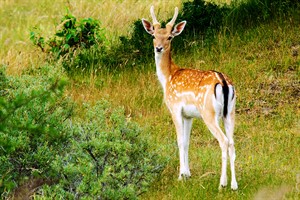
{"x":190,"y":93}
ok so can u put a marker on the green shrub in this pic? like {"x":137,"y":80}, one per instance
{"x":100,"y":154}
{"x":202,"y":17}
{"x":254,"y":12}
{"x":108,"y":159}
{"x":72,"y":38}
{"x":32,"y":132}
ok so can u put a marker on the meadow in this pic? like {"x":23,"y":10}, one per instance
{"x":262,"y":60}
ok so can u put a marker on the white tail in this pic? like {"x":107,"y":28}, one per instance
{"x":190,"y":93}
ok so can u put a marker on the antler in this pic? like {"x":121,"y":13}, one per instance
{"x":156,"y":24}
{"x":171,"y":23}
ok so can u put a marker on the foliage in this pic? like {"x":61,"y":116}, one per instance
{"x":131,"y":51}
{"x":202,"y":17}
{"x":99,"y":155}
{"x":139,"y":43}
{"x":107,"y":159}
{"x":31,"y":130}
{"x":254,"y":12}
{"x":71,"y":38}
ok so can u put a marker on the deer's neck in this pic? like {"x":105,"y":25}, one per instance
{"x":164,"y":67}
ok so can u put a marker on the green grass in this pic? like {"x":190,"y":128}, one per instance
{"x":259,"y":60}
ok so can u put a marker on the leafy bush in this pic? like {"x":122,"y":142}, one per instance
{"x":71,"y":38}
{"x":108,"y":159}
{"x":254,"y":12}
{"x":32,"y":129}
{"x":100,"y":154}
{"x":208,"y":18}
{"x":202,"y":17}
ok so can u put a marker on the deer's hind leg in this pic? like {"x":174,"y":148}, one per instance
{"x":211,"y":114}
{"x":229,"y":128}
{"x":215,"y":129}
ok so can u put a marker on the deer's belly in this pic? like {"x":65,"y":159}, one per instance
{"x":190,"y":111}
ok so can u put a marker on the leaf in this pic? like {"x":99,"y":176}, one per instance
{"x":66,"y":46}
{"x":60,"y":34}
{"x":69,"y":36}
{"x":32,"y":35}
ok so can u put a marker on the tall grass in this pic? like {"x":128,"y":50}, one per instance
{"x":261,"y":61}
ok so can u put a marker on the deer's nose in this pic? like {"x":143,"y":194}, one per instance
{"x":159,"y":49}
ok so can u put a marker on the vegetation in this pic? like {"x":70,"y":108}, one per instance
{"x":70,"y":40}
{"x":107,"y":134}
{"x":100,"y":154}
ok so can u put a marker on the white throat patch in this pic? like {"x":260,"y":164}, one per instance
{"x":161,"y":77}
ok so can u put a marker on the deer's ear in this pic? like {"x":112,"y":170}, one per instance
{"x":178,"y":28}
{"x":148,"y":26}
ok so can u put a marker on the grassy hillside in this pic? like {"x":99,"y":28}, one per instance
{"x":263,"y":61}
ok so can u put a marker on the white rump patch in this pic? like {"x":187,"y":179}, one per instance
{"x":218,"y":101}
{"x":231,"y":98}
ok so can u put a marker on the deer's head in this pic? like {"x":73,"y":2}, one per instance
{"x":162,"y":37}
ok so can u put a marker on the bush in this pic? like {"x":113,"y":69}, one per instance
{"x":254,"y":12}
{"x":202,"y":17}
{"x":99,"y":154}
{"x":108,"y":159}
{"x":71,"y":39}
{"x":32,"y":129}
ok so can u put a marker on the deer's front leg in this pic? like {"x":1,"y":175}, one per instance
{"x":187,"y":126}
{"x":182,"y":141}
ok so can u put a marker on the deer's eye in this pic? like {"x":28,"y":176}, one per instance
{"x":153,"y":36}
{"x":170,"y":38}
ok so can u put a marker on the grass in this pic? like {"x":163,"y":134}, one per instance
{"x":260,"y":61}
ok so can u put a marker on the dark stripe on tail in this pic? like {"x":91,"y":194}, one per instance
{"x":225,"y":93}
